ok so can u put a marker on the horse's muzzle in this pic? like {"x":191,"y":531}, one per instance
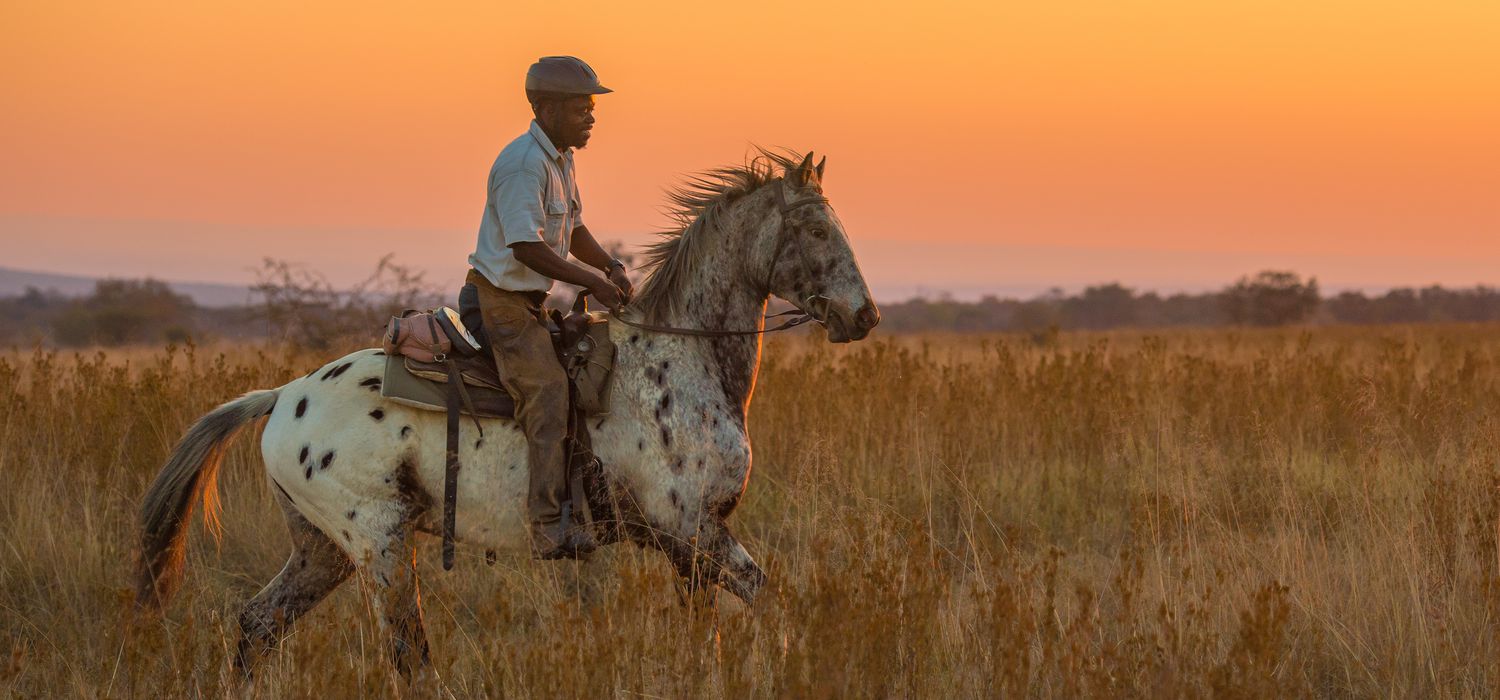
{"x":845,"y":326}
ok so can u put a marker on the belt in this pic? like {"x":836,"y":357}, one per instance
{"x":535,"y":296}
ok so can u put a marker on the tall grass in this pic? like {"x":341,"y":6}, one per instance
{"x":1201,"y":512}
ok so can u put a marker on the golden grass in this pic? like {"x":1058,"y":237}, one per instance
{"x":1245,"y":513}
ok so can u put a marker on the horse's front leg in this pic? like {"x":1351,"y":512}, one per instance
{"x":742,"y":576}
{"x":711,"y":556}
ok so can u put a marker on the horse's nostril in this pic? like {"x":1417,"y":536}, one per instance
{"x":867,"y":317}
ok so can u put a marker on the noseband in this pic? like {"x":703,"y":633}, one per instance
{"x":802,"y":317}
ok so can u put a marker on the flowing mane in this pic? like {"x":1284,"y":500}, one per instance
{"x":695,"y":207}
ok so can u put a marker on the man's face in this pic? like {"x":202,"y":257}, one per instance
{"x":570,"y":122}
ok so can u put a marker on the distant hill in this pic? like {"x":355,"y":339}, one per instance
{"x":13,"y":283}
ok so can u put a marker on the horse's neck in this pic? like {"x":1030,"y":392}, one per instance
{"x":719,"y":294}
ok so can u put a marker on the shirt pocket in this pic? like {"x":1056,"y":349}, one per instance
{"x":557,"y":223}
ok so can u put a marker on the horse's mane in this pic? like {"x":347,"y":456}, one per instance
{"x":695,"y":208}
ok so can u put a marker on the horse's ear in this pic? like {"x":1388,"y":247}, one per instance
{"x":804,"y":171}
{"x":821,"y":162}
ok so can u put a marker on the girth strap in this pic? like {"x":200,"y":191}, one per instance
{"x":456,"y":393}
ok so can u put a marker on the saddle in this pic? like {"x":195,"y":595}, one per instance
{"x":461,"y":379}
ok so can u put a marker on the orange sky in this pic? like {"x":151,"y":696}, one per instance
{"x":972,"y":146}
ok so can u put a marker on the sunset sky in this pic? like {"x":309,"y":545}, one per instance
{"x":972,"y":147}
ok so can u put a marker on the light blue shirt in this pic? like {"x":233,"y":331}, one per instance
{"x":532,"y":197}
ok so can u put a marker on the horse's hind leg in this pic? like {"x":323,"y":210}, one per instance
{"x":316,"y":567}
{"x":399,"y":601}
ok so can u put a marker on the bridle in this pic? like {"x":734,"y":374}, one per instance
{"x":800,"y":317}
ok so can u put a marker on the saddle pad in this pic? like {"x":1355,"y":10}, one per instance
{"x":407,"y":389}
{"x":477,"y":371}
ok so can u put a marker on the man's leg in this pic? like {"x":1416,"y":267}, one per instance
{"x":531,"y":373}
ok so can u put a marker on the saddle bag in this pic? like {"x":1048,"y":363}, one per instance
{"x":588,"y":356}
{"x":428,"y":336}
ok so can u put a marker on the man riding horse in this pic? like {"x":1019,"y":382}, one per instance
{"x":359,"y":475}
{"x":532,"y":222}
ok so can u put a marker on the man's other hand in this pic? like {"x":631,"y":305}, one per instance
{"x":622,"y":282}
{"x":605,"y":292}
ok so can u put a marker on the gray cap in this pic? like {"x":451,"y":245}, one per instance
{"x":564,"y":74}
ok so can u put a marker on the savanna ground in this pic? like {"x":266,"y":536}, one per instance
{"x":1257,"y":513}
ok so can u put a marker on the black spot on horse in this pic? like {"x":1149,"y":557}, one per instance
{"x":736,"y":371}
{"x":371,"y":383}
{"x":350,"y":515}
{"x":409,"y":491}
{"x":377,"y":414}
{"x":666,"y":437}
{"x":599,"y":425}
{"x":634,"y":337}
{"x":301,"y":407}
{"x":308,"y":474}
{"x":723,"y":508}
{"x":327,"y":460}
{"x":405,"y":431}
{"x":674,"y":498}
{"x":666,"y":402}
{"x":336,"y":371}
{"x":302,"y":456}
{"x":676,"y":466}
{"x":478,"y":443}
{"x":347,"y":538}
{"x":640,"y":444}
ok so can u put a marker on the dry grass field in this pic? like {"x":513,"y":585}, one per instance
{"x":1193,"y":513}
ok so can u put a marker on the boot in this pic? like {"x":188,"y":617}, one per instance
{"x":563,"y":539}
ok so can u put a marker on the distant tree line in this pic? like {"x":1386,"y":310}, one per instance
{"x":1270,"y":298}
{"x":300,"y":306}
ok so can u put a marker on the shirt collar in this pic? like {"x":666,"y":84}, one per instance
{"x":541,"y":139}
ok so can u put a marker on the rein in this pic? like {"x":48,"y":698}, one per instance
{"x":801,"y":316}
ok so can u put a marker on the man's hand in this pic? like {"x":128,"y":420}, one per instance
{"x":605,"y":292}
{"x":622,"y":281}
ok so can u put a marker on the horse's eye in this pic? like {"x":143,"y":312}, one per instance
{"x":819,"y":233}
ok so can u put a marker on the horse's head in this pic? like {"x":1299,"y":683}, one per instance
{"x":812,"y":265}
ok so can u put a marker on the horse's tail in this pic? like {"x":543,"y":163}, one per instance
{"x":191,"y":472}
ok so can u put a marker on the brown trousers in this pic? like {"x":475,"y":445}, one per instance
{"x":514,"y":322}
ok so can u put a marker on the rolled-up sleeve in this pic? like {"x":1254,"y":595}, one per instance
{"x":518,"y":207}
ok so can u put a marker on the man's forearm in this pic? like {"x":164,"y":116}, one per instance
{"x":587,"y":249}
{"x":541,"y":258}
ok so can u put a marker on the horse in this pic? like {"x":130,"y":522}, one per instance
{"x":358,"y":476}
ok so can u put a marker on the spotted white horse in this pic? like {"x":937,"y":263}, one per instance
{"x":358,"y":476}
